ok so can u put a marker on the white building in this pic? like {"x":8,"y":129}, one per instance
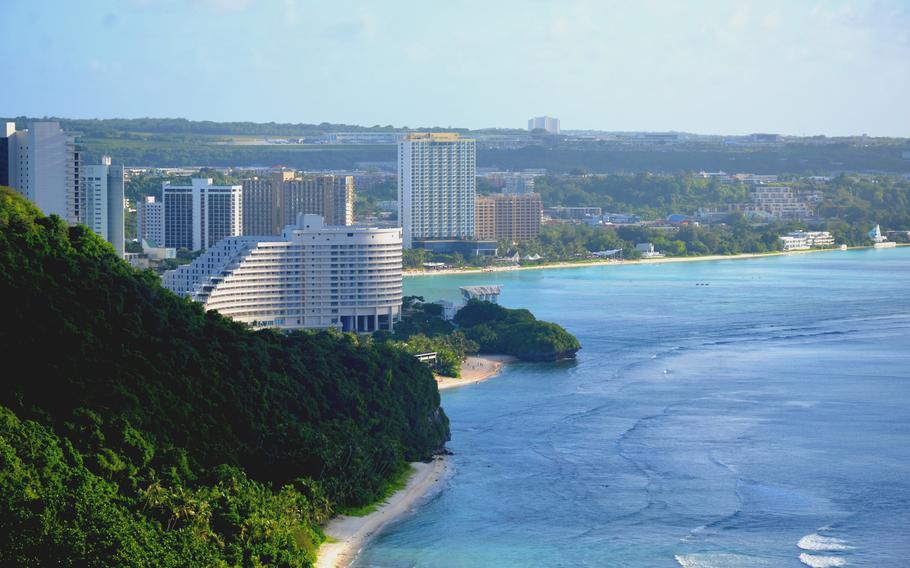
{"x":199,"y":215}
{"x":518,"y":183}
{"x":43,"y":165}
{"x":313,"y":276}
{"x":547,"y":123}
{"x":101,"y":187}
{"x":804,"y":240}
{"x":150,"y":221}
{"x":436,"y":187}
{"x":647,"y":250}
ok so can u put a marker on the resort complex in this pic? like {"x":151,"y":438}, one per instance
{"x":312,"y":276}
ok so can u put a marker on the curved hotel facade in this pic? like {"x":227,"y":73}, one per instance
{"x":313,"y":276}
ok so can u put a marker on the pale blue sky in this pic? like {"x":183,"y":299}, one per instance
{"x":724,"y":66}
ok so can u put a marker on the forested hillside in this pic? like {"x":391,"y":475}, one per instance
{"x":172,"y":142}
{"x":136,"y":430}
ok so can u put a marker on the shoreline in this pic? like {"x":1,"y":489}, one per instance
{"x":475,"y":369}
{"x":350,"y":534}
{"x":608,"y":262}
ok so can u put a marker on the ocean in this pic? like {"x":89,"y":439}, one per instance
{"x":732,"y":413}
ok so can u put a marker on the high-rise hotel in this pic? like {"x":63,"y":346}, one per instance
{"x":101,"y":191}
{"x":436,"y":188}
{"x":274,"y":201}
{"x":199,"y":215}
{"x":43,"y":163}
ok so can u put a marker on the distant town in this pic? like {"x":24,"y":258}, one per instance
{"x":275,"y":246}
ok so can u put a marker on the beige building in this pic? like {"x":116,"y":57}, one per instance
{"x":781,"y":202}
{"x":508,"y":217}
{"x":272,"y":202}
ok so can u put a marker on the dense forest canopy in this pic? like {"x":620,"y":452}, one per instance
{"x":515,"y":332}
{"x":135,"y":429}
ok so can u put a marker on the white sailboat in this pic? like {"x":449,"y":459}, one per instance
{"x":879,"y":241}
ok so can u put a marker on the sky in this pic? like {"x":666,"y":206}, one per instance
{"x":799,"y":67}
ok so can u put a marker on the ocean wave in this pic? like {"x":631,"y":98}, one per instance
{"x":719,"y":560}
{"x":816,"y":542}
{"x":821,"y":561}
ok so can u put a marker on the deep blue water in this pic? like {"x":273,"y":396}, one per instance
{"x":708,"y":426}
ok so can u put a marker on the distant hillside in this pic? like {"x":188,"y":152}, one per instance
{"x":175,"y":142}
{"x":137,"y":430}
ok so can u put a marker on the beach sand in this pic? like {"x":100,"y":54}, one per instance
{"x":589,"y":263}
{"x":351,"y":533}
{"x":474,"y":370}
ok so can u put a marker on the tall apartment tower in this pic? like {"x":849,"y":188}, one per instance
{"x":547,"y":123}
{"x":101,"y":191}
{"x":199,"y":215}
{"x":43,"y":165}
{"x":436,"y":187}
{"x":273,"y":202}
{"x":150,"y":221}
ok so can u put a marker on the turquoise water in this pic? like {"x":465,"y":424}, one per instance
{"x":761,"y":420}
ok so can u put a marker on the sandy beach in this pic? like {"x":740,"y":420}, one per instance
{"x":351,"y":533}
{"x":474,"y":370}
{"x":607,"y":262}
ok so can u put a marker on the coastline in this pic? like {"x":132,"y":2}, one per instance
{"x":475,"y":369}
{"x":350,"y":534}
{"x":607,"y":262}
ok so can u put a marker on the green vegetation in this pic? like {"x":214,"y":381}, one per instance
{"x":650,"y":196}
{"x":423,"y":330}
{"x":137,"y":430}
{"x":867,"y":199}
{"x":515,"y":332}
{"x":797,"y":158}
{"x":479,"y":327}
{"x":849,"y":207}
{"x":180,"y":142}
{"x":396,"y":484}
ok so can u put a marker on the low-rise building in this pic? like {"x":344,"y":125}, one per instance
{"x":489,"y":293}
{"x":647,"y":250}
{"x":804,"y":240}
{"x":575,"y":213}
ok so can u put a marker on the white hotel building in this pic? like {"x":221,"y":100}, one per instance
{"x":311,"y":277}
